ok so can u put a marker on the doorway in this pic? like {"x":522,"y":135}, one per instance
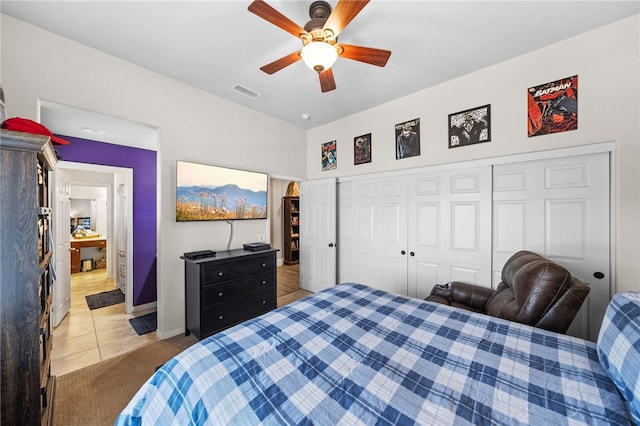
{"x":279,"y":187}
{"x":101,"y":195}
{"x":84,"y":335}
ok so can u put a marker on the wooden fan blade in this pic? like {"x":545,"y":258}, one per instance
{"x":278,"y":64}
{"x":343,"y":13}
{"x":368,"y":55}
{"x":327,"y":82}
{"x":268,"y":13}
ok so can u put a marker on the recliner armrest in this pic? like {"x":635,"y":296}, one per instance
{"x":441,"y":290}
{"x":470,"y":295}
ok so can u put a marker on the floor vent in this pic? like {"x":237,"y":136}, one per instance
{"x":245,"y":91}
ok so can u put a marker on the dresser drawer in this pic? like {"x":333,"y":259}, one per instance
{"x":226,"y":289}
{"x":215,"y":272}
{"x":229,"y":290}
{"x":221,"y":316}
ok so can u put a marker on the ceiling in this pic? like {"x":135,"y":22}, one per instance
{"x":216,"y":45}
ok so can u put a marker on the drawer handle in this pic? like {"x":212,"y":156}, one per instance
{"x":220,"y":294}
{"x":220,"y":274}
{"x":264,"y":302}
{"x":221,"y":317}
{"x":264,"y":264}
{"x":264,"y":281}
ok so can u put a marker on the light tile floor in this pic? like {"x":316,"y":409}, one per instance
{"x":85,"y":337}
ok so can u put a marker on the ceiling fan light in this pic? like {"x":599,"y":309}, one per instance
{"x":319,"y":55}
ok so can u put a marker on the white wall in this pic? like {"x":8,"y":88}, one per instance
{"x":278,"y":189}
{"x":606,"y":61}
{"x":195,"y":126}
{"x":192,"y":125}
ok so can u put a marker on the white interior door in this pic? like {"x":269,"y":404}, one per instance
{"x":318,"y":234}
{"x":373,"y":233}
{"x":559,"y":208}
{"x":121,"y":239}
{"x":60,"y":197}
{"x":450,"y":233}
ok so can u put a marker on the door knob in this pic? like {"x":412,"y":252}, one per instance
{"x":411,"y":253}
{"x":403,"y":252}
{"x":598,"y":275}
{"x":330,"y":244}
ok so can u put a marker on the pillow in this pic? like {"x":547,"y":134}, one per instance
{"x":619,"y":347}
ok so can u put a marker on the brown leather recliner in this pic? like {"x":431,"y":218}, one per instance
{"x":533,"y":291}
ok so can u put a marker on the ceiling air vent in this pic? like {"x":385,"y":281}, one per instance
{"x":245,"y":91}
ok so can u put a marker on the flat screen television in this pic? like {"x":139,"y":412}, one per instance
{"x":205,"y":192}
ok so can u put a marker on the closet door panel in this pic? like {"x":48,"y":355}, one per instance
{"x":318,"y":236}
{"x":365,"y":268}
{"x":427,"y":225}
{"x":346,"y":232}
{"x":391,"y":273}
{"x":451,"y":216}
{"x":566,"y":221}
{"x":365,"y":224}
{"x":391,"y":224}
{"x":464,"y":226}
{"x":510,"y":217}
{"x":429,"y":273}
{"x":467,"y":275}
{"x":563,"y":209}
{"x":378,"y":233}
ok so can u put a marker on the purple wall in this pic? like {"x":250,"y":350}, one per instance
{"x":143,"y":163}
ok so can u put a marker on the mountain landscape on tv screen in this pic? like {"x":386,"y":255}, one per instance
{"x":219,"y":203}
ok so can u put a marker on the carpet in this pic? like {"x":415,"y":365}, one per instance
{"x":145,"y":324}
{"x":106,"y":298}
{"x":95,"y":395}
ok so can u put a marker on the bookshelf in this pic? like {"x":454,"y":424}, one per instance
{"x":26,"y":279}
{"x":291,"y":229}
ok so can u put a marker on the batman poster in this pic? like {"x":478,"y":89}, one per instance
{"x":553,"y":107}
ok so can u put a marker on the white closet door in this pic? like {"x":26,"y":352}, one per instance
{"x":318,"y":206}
{"x":558,"y":208}
{"x":450,"y":234}
{"x":373,"y":233}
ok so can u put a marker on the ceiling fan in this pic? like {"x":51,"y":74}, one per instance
{"x":320,"y":38}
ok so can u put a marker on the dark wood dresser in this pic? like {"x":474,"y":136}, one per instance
{"x":225,"y":290}
{"x":26,"y":279}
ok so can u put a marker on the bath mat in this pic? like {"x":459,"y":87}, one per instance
{"x":145,"y":323}
{"x":106,"y":298}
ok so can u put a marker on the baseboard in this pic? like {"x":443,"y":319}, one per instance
{"x":169,"y":334}
{"x":280,"y":261}
{"x":145,"y":307}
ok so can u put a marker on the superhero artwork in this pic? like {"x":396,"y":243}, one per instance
{"x":362,"y":149}
{"x":408,"y":139}
{"x":553,"y":107}
{"x":470,"y":127}
{"x":329,"y":156}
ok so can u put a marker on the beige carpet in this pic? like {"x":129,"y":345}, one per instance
{"x":95,"y":395}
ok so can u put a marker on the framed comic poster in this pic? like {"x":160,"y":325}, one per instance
{"x":362,"y":149}
{"x":329,"y":156}
{"x":470,"y":127}
{"x":553,"y":107}
{"x":408,"y":139}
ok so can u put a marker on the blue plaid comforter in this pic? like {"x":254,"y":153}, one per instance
{"x":353,"y":355}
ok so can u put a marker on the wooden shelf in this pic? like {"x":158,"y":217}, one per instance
{"x":291,"y":229}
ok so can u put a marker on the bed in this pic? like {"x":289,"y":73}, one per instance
{"x":354,"y":355}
